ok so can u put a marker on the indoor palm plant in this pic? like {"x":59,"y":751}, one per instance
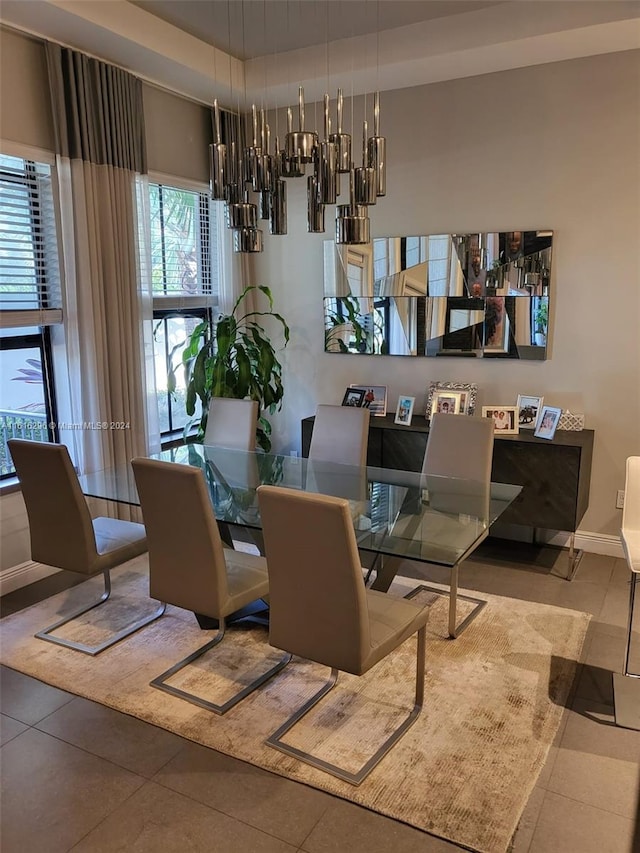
{"x":235,"y":358}
{"x":344,"y":331}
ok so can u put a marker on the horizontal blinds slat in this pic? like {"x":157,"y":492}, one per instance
{"x":38,"y":317}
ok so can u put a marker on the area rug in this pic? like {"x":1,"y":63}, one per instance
{"x":493,"y":701}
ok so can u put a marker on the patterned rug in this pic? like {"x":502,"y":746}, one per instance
{"x":493,"y":701}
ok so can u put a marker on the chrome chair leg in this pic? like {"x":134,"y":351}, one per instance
{"x":275,"y":740}
{"x":161,"y":681}
{"x":455,"y":628}
{"x":627,"y":651}
{"x":46,"y":633}
{"x":626,"y":685}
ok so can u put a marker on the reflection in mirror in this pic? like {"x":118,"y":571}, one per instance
{"x":454,"y":325}
{"x":373,"y":326}
{"x":487,"y":295}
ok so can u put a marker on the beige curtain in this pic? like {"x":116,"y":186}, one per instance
{"x":99,"y":128}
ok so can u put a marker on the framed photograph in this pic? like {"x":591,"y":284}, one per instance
{"x":547,"y":422}
{"x":353,"y":397}
{"x":445,"y":402}
{"x":374,"y":398}
{"x":404,"y":411}
{"x":529,"y":409}
{"x":467,"y":393}
{"x":505,"y":419}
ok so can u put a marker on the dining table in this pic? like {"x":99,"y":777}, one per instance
{"x":396,"y":514}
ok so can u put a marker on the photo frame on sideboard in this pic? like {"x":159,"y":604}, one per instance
{"x":374,"y":399}
{"x":529,"y":408}
{"x":404,"y":410}
{"x":467,"y":392}
{"x":353,"y":397}
{"x":505,"y":419}
{"x":547,"y":422}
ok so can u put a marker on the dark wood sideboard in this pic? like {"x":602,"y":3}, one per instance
{"x":554,"y":474}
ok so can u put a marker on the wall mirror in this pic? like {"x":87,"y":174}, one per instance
{"x":476,"y":295}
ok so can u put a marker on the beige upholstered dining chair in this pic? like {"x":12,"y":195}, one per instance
{"x":320,"y":609}
{"x":626,"y":686}
{"x":340,"y":434}
{"x":458,"y":446}
{"x":232,"y":423}
{"x":190,"y":568}
{"x":64,"y":535}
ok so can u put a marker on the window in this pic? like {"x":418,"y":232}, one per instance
{"x":29,"y":303}
{"x":171,"y":330}
{"x":185,"y":269}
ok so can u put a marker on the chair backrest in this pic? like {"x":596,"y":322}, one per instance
{"x":340,"y":434}
{"x":631,"y":514}
{"x":232,"y":423}
{"x":59,"y":519}
{"x":186,"y":557}
{"x":459,"y":446}
{"x":317,"y":597}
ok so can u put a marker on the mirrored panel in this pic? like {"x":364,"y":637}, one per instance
{"x":476,"y":295}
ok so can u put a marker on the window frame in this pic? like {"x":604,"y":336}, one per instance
{"x":162,"y":315}
{"x":48,"y":282}
{"x":174,"y":304}
{"x":42,"y":341}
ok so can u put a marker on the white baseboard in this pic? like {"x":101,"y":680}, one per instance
{"x":594,"y":543}
{"x":22,"y":575}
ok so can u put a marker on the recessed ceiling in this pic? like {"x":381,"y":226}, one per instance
{"x":250,"y":28}
{"x":242,"y":51}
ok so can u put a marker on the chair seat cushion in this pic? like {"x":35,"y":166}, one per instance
{"x":247,"y":579}
{"x":118,"y":541}
{"x":391,"y":620}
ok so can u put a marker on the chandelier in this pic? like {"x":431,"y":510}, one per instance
{"x":239,"y":171}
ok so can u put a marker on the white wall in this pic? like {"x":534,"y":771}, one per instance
{"x":553,"y":146}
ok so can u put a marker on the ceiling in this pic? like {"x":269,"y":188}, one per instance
{"x":245,"y":50}
{"x":250,"y":28}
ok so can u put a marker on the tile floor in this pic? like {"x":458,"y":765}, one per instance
{"x":79,"y":776}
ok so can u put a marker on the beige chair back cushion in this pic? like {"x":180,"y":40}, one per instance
{"x":232,"y":423}
{"x":317,"y":596}
{"x":459,"y":446}
{"x":59,"y":519}
{"x":340,"y":434}
{"x":186,"y":557}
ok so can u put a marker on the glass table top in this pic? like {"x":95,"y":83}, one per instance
{"x":400,"y":513}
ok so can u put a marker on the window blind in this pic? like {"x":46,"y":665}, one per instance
{"x":30,"y":292}
{"x":184,"y":272}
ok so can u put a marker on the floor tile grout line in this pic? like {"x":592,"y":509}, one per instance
{"x":107,"y":816}
{"x":220,"y":811}
{"x":590,"y":805}
{"x":146,"y":779}
{"x":307,"y":836}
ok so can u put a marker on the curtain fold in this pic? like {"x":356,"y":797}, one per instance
{"x":100,"y":145}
